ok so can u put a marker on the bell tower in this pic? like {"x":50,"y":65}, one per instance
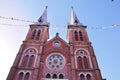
{"x":76,"y":30}
{"x":26,"y":64}
{"x":84,"y":64}
{"x":39,"y":31}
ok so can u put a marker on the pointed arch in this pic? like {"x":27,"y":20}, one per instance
{"x":33,"y":34}
{"x":87,"y":54}
{"x":82,"y":77}
{"x":88,"y":77}
{"x":31,"y":61}
{"x":80,"y":65}
{"x":38,"y":35}
{"x":85,"y":62}
{"x":76,"y":35}
{"x":27,"y":76}
{"x":25,"y":60}
{"x":61,"y":76}
{"x":20,"y":76}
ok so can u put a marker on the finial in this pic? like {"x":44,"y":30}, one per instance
{"x":57,"y":34}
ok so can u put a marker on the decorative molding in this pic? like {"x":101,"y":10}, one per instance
{"x":30,"y":48}
{"x":88,"y":55}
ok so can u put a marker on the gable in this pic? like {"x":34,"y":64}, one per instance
{"x":56,"y":44}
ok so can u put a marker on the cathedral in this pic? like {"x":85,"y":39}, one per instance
{"x":42,"y":59}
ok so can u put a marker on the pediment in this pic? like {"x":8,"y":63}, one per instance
{"x":57,"y":41}
{"x":56,"y":44}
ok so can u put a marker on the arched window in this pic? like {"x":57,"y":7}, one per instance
{"x":76,"y":35}
{"x":48,"y":76}
{"x":82,"y":77}
{"x":31,"y":61}
{"x":27,"y":76}
{"x":33,"y":34}
{"x":81,"y":36}
{"x":38,"y":34}
{"x":88,"y":77}
{"x":85,"y":62}
{"x":61,"y":76}
{"x":55,"y":76}
{"x":20,"y":76}
{"x":80,"y":63}
{"x":25,"y":60}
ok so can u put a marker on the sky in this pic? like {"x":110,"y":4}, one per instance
{"x":98,"y":15}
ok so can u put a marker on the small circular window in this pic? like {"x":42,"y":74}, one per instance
{"x":56,"y":43}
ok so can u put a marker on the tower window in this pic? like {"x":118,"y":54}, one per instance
{"x":33,"y":34}
{"x":55,"y":76}
{"x":85,"y":62}
{"x":82,"y":77}
{"x":80,"y":62}
{"x":27,"y":76}
{"x":88,"y":77}
{"x":48,"y":75}
{"x":38,"y":34}
{"x":25,"y":60}
{"x":81,"y":36}
{"x":31,"y":61}
{"x":61,"y":76}
{"x":76,"y":35}
{"x":20,"y":76}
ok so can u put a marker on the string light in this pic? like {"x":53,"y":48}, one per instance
{"x":60,"y":27}
{"x":115,"y":25}
{"x":11,"y":18}
{"x":12,"y":24}
{"x":56,"y":27}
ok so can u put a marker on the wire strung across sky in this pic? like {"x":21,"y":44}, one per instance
{"x":15,"y":19}
{"x":54,"y":26}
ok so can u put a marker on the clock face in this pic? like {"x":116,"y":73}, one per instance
{"x":55,"y":61}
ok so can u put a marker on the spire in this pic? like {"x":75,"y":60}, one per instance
{"x":74,"y":20}
{"x":43,"y":17}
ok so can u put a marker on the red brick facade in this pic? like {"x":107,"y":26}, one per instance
{"x":40,"y":59}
